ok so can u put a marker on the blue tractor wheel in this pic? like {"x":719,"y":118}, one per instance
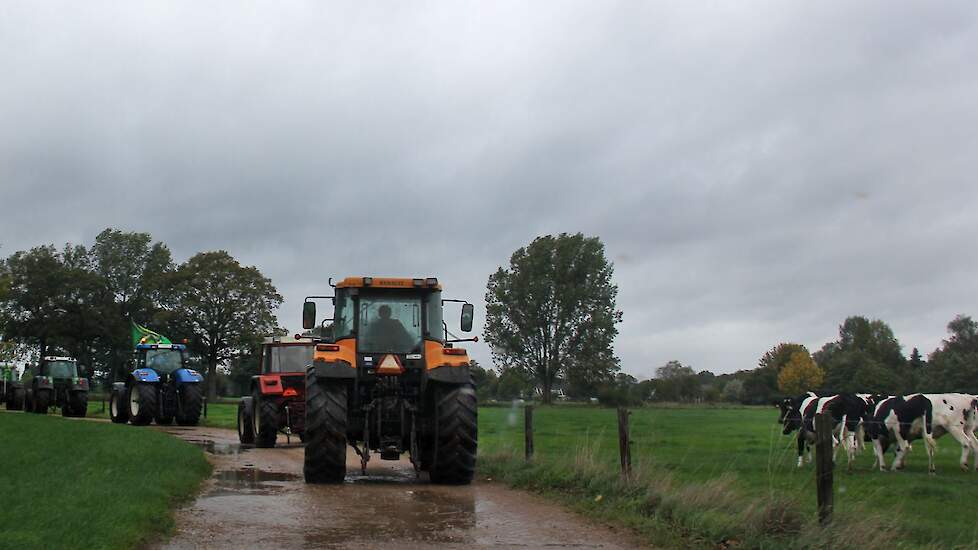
{"x":143,"y":404}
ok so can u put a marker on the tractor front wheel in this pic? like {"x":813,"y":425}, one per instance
{"x":78,"y":403}
{"x":118,"y":409}
{"x":189,"y":403}
{"x":265,"y":421}
{"x":246,"y":426}
{"x":325,"y":432}
{"x":142,"y":403}
{"x":456,"y":435}
{"x":42,"y":401}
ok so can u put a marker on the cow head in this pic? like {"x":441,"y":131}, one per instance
{"x":791,"y":415}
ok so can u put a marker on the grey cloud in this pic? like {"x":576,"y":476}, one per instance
{"x":758,"y":171}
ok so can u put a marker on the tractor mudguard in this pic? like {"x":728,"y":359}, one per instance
{"x":267,"y":385}
{"x":450,"y":375}
{"x":334,"y":369}
{"x":145,"y":375}
{"x":43,"y":384}
{"x":119,"y":387}
{"x":183,"y":376}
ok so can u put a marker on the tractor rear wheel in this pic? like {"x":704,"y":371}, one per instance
{"x":189,"y":403}
{"x":42,"y":401}
{"x":265,"y":421}
{"x":325,"y":430}
{"x":16,"y":401}
{"x":78,"y":403}
{"x":118,"y":408}
{"x":246,"y":426}
{"x":142,"y":403}
{"x":456,"y":435}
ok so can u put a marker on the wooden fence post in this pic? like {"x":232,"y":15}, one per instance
{"x":528,"y":431}
{"x":624,"y":442}
{"x":824,"y":466}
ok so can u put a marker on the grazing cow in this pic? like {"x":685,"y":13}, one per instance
{"x":849,"y":412}
{"x":926,"y":416}
{"x":793,"y":417}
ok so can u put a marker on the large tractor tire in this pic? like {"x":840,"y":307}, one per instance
{"x":16,"y":401}
{"x":77,"y":404}
{"x":143,"y":403}
{"x":118,"y":407}
{"x":325,"y":460}
{"x":189,"y":403}
{"x":266,"y":421}
{"x":456,"y":435}
{"x":246,"y":423}
{"x":42,"y":401}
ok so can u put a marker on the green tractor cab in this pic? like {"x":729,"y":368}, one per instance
{"x":11,"y":390}
{"x":56,"y":383}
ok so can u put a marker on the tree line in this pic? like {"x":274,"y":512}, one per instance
{"x":81,"y":300}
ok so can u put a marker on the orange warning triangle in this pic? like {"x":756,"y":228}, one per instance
{"x":390,"y":365}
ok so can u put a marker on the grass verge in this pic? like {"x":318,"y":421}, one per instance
{"x":713,"y":478}
{"x":73,"y":484}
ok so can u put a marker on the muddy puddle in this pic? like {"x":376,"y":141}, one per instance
{"x":258,"y":498}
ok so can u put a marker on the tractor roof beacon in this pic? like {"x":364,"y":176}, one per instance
{"x":277,"y":395}
{"x":161,"y":387}
{"x":389,"y":380}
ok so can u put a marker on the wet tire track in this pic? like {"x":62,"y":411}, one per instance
{"x":257,"y":497}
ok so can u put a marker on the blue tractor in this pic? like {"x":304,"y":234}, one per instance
{"x":160,"y":388}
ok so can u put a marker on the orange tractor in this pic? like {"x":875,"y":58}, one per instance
{"x":390,"y":381}
{"x":277,"y":402}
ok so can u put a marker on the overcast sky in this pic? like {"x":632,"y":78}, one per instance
{"x":757,"y":171}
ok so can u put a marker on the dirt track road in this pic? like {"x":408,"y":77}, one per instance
{"x":257,"y":498}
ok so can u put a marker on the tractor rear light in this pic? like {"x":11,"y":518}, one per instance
{"x":431,"y":281}
{"x":327,"y":347}
{"x":367,"y":281}
{"x":453,"y":351}
{"x":417,"y":282}
{"x":290,"y":392}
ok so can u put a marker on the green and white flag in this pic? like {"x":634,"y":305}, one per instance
{"x":142,"y":335}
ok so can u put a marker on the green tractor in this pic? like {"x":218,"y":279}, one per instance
{"x":55,"y":382}
{"x":11,"y":390}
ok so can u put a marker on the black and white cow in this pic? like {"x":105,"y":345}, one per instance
{"x":849,"y":413}
{"x":927,"y":417}
{"x":794,"y":411}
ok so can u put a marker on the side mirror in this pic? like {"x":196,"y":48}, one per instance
{"x":308,"y":315}
{"x":468,"y":311}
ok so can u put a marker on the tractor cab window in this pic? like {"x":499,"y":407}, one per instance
{"x":433,"y":317}
{"x":164,"y":360}
{"x":289,"y":358}
{"x":60,"y":369}
{"x":389,"y":324}
{"x":342,"y":317}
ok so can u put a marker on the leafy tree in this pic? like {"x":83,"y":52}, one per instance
{"x":227,"y":307}
{"x":800,"y":374}
{"x":513,"y":384}
{"x":733,"y":390}
{"x":867,"y":357}
{"x":676,"y":382}
{"x":917,"y":362}
{"x":778,"y":356}
{"x":954,"y":365}
{"x":134,"y":271}
{"x":552,"y":312}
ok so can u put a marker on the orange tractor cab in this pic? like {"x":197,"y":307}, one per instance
{"x":277,"y":403}
{"x":390,"y":381}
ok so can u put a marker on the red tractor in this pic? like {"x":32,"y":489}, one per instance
{"x":278,"y":394}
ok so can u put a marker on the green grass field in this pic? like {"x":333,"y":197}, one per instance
{"x":732,"y":459}
{"x":67,"y":483}
{"x":219,"y":415}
